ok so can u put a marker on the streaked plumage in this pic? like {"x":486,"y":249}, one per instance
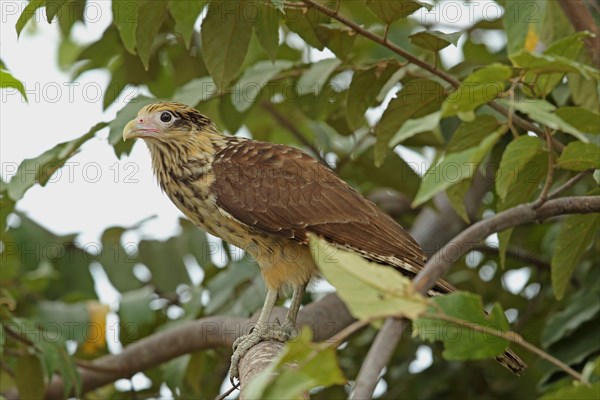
{"x":266,"y":198}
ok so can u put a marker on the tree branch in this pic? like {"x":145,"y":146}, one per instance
{"x":326,"y":317}
{"x":441,"y":262}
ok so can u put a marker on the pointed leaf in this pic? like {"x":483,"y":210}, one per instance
{"x":579,"y":156}
{"x":581,"y":119}
{"x":435,"y":40}
{"x":417,"y":99}
{"x":391,"y":10}
{"x":27,"y":14}
{"x":185,"y":13}
{"x":9,"y":81}
{"x":266,"y":27}
{"x":125,"y":17}
{"x":53,"y":7}
{"x":151,"y":14}
{"x":515,"y":160}
{"x":364,"y":88}
{"x":225,"y":41}
{"x":252,"y":81}
{"x":575,"y":236}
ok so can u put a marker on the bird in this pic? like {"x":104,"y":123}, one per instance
{"x":267,"y":199}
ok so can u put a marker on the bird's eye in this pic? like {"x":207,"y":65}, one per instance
{"x":166,"y":117}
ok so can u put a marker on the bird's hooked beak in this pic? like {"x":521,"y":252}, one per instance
{"x":139,"y":128}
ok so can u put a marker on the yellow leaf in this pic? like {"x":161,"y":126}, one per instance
{"x":95,"y":334}
{"x":532,"y":39}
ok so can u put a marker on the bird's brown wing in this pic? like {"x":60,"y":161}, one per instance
{"x":282,"y":191}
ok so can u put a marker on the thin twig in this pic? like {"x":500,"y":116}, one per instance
{"x":228,"y":392}
{"x":549,"y":173}
{"x":512,"y":337}
{"x":293,"y":129}
{"x":572,"y":181}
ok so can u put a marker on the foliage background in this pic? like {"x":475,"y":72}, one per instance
{"x":253,"y":68}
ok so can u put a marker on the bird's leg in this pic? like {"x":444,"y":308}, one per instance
{"x":290,"y":319}
{"x":259,"y":333}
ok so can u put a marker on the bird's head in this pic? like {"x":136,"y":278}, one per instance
{"x":168,"y":122}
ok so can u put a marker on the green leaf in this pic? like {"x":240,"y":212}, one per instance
{"x":364,"y":88}
{"x":29,"y":378}
{"x":384,"y":291}
{"x":456,"y":195}
{"x":266,"y":27}
{"x":581,"y":307}
{"x":301,"y":366}
{"x":481,"y":87}
{"x":579,"y":156}
{"x":541,"y":111}
{"x":63,"y":320}
{"x":135,"y":310}
{"x":340,"y":40}
{"x":568,"y":47}
{"x":470,"y":134}
{"x":463,"y":342}
{"x":151,"y":13}
{"x":435,"y":40}
{"x":579,"y":392}
{"x":254,"y":78}
{"x":412,"y":127}
{"x":125,"y":17}
{"x":522,"y":21}
{"x":515,"y":161}
{"x":185,"y":13}
{"x":53,"y":7}
{"x":27,"y":14}
{"x":9,"y":81}
{"x":417,"y":99}
{"x":225,"y":41}
{"x":306,"y":25}
{"x":40,"y":169}
{"x":550,"y":64}
{"x":581,"y":119}
{"x":575,"y":236}
{"x":118,"y":260}
{"x":391,"y":10}
{"x":314,"y":80}
{"x":455,"y":167}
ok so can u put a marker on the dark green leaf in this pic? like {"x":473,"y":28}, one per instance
{"x":435,"y":40}
{"x":27,"y":14}
{"x":579,"y":156}
{"x":481,"y":87}
{"x":581,"y":307}
{"x":53,"y":7}
{"x":40,"y":169}
{"x":125,"y":17}
{"x":575,"y":236}
{"x":550,"y":64}
{"x":579,"y":392}
{"x":225,"y":40}
{"x":29,"y":377}
{"x":185,"y":13}
{"x":151,"y":14}
{"x":581,"y":119}
{"x":463,"y":342}
{"x":266,"y":27}
{"x":456,"y":195}
{"x":9,"y":81}
{"x":118,"y":260}
{"x":305,"y":24}
{"x":391,"y":10}
{"x":470,"y":134}
{"x":339,"y":40}
{"x":364,"y":88}
{"x":515,"y":161}
{"x":417,"y":99}
{"x":155,"y":255}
